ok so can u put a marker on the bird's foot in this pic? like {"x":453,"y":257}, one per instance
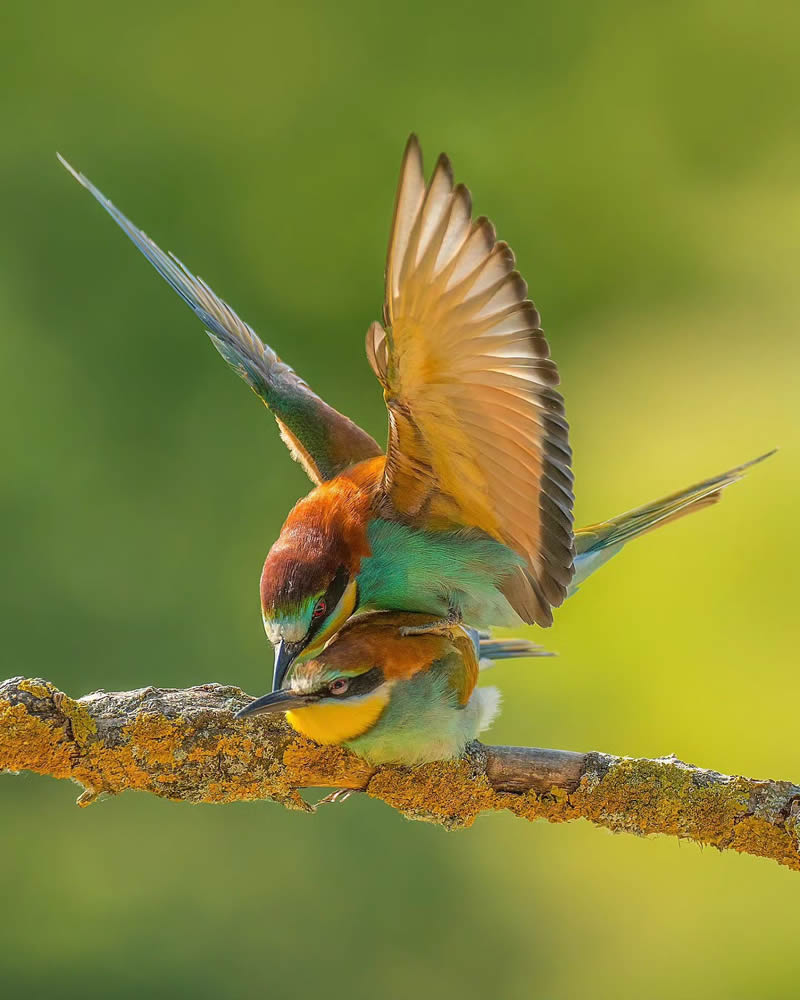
{"x":337,"y":795}
{"x":442,"y":625}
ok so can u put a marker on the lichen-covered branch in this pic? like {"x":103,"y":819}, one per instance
{"x":186,"y":744}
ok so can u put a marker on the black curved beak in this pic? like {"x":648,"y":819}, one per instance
{"x":285,"y":653}
{"x":275,"y":701}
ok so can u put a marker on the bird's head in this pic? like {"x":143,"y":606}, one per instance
{"x":330,"y":699}
{"x":340,"y":694}
{"x":309,"y":582}
{"x":303,"y":604}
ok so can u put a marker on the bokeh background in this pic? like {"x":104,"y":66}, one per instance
{"x":644,"y":162}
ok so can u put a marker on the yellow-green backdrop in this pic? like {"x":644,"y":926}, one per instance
{"x":643,"y":159}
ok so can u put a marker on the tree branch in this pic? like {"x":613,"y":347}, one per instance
{"x":185,"y":744}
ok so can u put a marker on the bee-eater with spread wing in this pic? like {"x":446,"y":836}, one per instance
{"x":468,"y":514}
{"x":394,"y":697}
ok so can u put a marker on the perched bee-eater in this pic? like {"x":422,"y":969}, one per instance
{"x":468,"y":514}
{"x":394,"y":697}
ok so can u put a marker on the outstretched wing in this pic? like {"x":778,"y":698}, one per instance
{"x":323,"y":440}
{"x":477,"y":435}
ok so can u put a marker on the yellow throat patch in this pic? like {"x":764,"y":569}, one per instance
{"x":336,"y":722}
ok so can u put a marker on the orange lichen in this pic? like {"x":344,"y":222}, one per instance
{"x":310,"y":765}
{"x":28,"y":743}
{"x":83,"y":725}
{"x":754,"y":835}
{"x":39,"y":689}
{"x":657,"y":797}
{"x":199,"y":753}
{"x":445,"y":792}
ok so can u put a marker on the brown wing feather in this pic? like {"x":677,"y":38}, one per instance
{"x":477,"y":434}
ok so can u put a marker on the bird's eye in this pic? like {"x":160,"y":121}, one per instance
{"x":319,"y":609}
{"x":339,"y":686}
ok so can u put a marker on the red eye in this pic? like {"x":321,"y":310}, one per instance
{"x":319,"y":609}
{"x":339,"y":686}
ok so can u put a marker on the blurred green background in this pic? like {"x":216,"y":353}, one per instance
{"x":643,"y":159}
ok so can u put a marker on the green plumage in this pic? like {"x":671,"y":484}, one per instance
{"x":423,"y":720}
{"x":435,"y":572}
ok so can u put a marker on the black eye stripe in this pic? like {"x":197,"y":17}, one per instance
{"x":337,"y":587}
{"x":332,"y":597}
{"x":362,"y":684}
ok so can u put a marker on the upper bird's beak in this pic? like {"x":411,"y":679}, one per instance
{"x":285,"y":652}
{"x":275,"y":701}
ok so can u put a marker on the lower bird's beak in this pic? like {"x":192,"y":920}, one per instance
{"x":275,"y":701}
{"x":285,"y":653}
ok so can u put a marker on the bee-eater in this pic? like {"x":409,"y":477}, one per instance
{"x":468,"y":514}
{"x":394,"y":697}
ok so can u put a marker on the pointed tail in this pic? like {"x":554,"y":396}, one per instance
{"x":597,"y":543}
{"x":504,"y":649}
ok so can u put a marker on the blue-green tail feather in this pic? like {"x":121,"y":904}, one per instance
{"x":598,"y":543}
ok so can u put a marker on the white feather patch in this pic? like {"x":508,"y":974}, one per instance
{"x":487,"y":701}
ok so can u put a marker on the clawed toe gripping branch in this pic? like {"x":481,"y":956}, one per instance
{"x":186,"y":744}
